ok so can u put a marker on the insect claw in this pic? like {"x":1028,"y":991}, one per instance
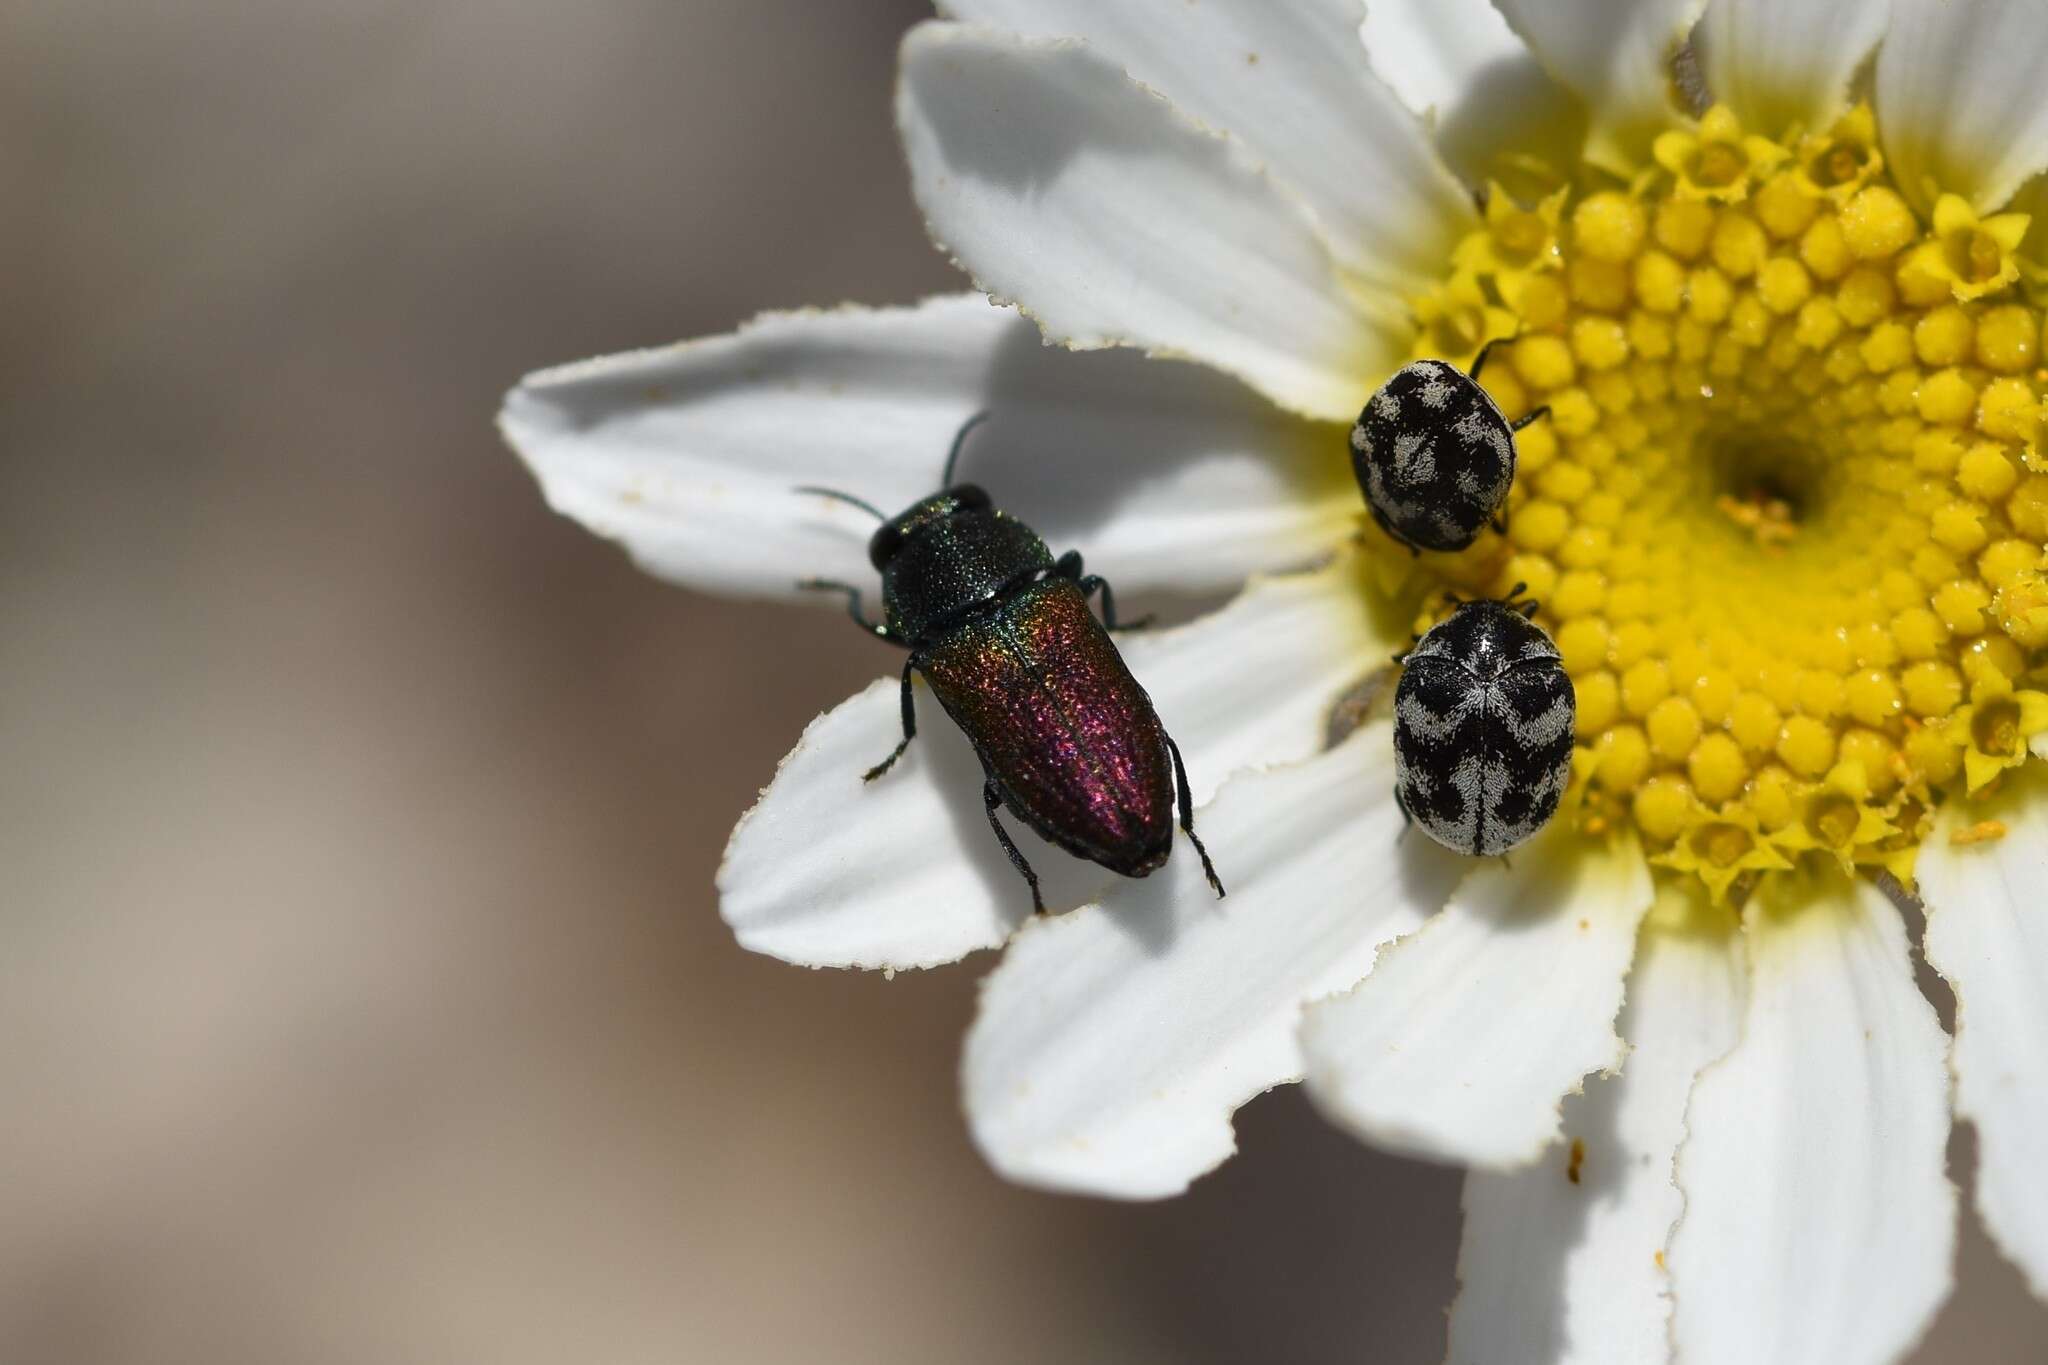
{"x":887,"y":763}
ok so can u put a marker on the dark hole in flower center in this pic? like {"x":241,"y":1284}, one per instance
{"x":1762,"y":482}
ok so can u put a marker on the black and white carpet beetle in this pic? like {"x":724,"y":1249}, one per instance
{"x":1434,"y":455}
{"x":1483,"y":728}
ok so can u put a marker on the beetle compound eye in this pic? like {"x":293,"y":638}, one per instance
{"x":970,"y":496}
{"x":1434,"y":457}
{"x":1484,"y":721}
{"x":883,"y":545}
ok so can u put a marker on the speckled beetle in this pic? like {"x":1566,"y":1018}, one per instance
{"x":1068,"y":740}
{"x":1483,"y":728}
{"x":1434,"y":456}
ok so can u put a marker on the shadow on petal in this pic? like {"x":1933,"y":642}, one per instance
{"x":1509,"y":113}
{"x":1068,"y":450}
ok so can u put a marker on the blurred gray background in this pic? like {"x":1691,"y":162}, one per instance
{"x":362,"y":994}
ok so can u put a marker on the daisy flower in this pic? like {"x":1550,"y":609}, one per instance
{"x":1769,"y":266}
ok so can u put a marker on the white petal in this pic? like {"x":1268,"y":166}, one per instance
{"x":1777,"y":63}
{"x":1252,"y":685}
{"x":1113,"y":219}
{"x":1432,"y":52}
{"x":1959,"y":97}
{"x":1575,"y":1264}
{"x":1819,"y":1223}
{"x":1468,"y":1033}
{"x":904,"y":872}
{"x":1987,"y":932}
{"x":1166,"y":475}
{"x":1113,"y":1043}
{"x":1290,"y":80}
{"x":1617,"y":54}
{"x":1459,"y":63}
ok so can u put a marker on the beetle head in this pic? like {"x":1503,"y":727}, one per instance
{"x":899,"y":530}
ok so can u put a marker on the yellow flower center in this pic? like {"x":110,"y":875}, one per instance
{"x":1832,"y":818}
{"x":1996,"y":728}
{"x":1722,"y":845}
{"x":1719,"y":164}
{"x":1786,"y":517}
{"x":1838,"y":165}
{"x":1520,"y":233}
{"x":1974,"y":254}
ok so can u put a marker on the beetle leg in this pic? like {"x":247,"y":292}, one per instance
{"x":1529,"y":417}
{"x":909,"y":726}
{"x":1187,"y":818}
{"x":1068,"y":565}
{"x":1479,"y":361}
{"x":853,"y":608}
{"x":992,"y":797}
{"x":1095,"y":583}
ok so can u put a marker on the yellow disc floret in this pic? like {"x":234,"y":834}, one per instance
{"x":1786,"y":516}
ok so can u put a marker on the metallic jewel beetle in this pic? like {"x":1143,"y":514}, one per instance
{"x":1483,"y":728}
{"x":1434,"y":455}
{"x":1068,"y":740}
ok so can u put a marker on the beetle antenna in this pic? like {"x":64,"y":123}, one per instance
{"x":864,"y":506}
{"x":959,"y":440}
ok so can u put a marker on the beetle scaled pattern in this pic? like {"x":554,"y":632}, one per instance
{"x":1068,"y":740}
{"x":1434,"y":455}
{"x":1483,"y":728}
